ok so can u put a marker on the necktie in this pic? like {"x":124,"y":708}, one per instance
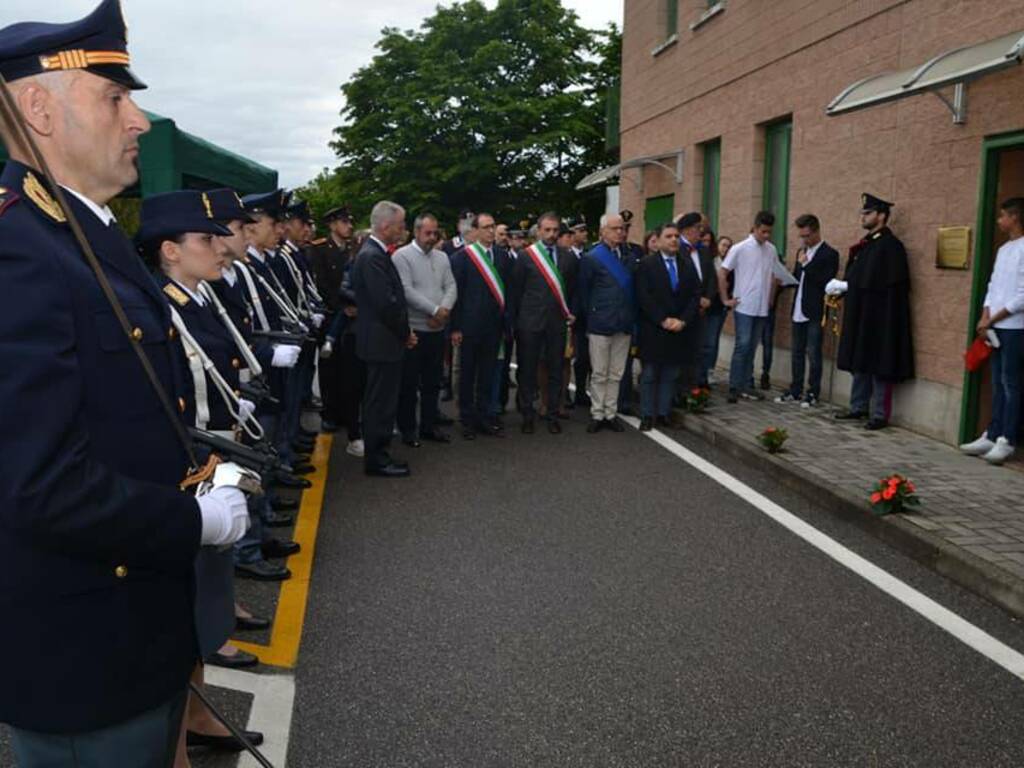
{"x":673,"y":275}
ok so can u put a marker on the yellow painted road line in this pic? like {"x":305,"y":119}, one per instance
{"x":286,"y":634}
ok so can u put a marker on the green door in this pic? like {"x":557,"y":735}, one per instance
{"x":658,"y":211}
{"x":778,"y":139}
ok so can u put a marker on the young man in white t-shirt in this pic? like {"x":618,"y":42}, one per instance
{"x":1004,"y":313}
{"x":756,"y":265}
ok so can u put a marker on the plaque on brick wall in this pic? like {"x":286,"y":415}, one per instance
{"x":954,"y":247}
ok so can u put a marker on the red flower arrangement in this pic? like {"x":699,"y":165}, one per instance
{"x":697,"y":399}
{"x":894,"y":493}
{"x":773,"y":438}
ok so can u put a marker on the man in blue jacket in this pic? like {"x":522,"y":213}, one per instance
{"x":607,"y":305}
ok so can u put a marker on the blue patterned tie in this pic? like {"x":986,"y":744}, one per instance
{"x":673,"y":275}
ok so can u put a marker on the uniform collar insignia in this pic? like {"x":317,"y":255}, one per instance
{"x":36,"y":192}
{"x":176,"y":294}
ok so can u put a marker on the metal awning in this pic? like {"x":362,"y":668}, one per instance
{"x":956,"y":67}
{"x":603,"y":176}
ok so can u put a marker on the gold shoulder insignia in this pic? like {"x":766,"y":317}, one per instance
{"x":36,"y":192}
{"x":177,"y":295}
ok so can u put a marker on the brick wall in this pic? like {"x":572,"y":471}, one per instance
{"x":757,"y":61}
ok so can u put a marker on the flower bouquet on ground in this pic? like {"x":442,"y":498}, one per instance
{"x":773,"y":438}
{"x":894,"y":493}
{"x":697,"y":399}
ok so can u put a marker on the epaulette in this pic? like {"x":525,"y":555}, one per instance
{"x":7,"y":199}
{"x":319,"y":241}
{"x":36,"y":192}
{"x":177,"y":295}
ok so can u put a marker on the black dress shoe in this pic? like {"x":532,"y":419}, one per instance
{"x":493,"y":430}
{"x":469,"y":433}
{"x":564,"y":415}
{"x":851,"y":416}
{"x":279,"y":504}
{"x":733,"y":396}
{"x":398,"y":463}
{"x":614,"y":425}
{"x":261,"y":570}
{"x":303,"y":469}
{"x":279,"y":521}
{"x":527,"y":427}
{"x":435,"y":436}
{"x":412,"y":442}
{"x":276,"y":548}
{"x":595,"y":426}
{"x":646,"y":424}
{"x":304,"y":450}
{"x":238,"y":660}
{"x":251,"y":623}
{"x":222,"y":743}
{"x":388,"y":470}
{"x":766,"y":382}
{"x":583,"y":400}
{"x":291,"y":481}
{"x":554,"y":427}
{"x":662,"y":421}
{"x":444,"y":421}
{"x":307,"y":433}
{"x":876,"y":424}
{"x":328,"y":427}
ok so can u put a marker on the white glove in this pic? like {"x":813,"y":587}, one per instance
{"x":326,"y":349}
{"x":318,"y":319}
{"x":285,"y":355}
{"x":225,"y":516}
{"x":303,"y":327}
{"x":836,"y":287}
{"x":246,"y":408}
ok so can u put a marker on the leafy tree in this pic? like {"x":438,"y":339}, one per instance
{"x":500,"y":110}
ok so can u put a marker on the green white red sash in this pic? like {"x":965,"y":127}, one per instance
{"x":549,"y":271}
{"x":485,"y":266}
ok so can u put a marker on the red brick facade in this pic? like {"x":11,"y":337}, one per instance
{"x":756,"y":62}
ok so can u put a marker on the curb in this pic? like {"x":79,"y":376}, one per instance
{"x":969,"y":571}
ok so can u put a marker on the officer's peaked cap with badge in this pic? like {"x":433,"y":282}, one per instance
{"x":341,"y":213}
{"x":177,"y":213}
{"x":869,"y":202}
{"x":268,"y":203}
{"x":576,"y":223}
{"x":299,"y":210}
{"x":227,"y":206}
{"x":97,"y":44}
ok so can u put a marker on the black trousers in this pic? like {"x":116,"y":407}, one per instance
{"x":478,"y":357}
{"x":532,"y":347}
{"x":330,"y":371}
{"x":581,"y":367}
{"x":380,"y":404}
{"x":422,"y":370}
{"x":506,"y":373}
{"x":352,"y":385}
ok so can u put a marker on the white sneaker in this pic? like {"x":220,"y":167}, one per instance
{"x":712,"y":378}
{"x":355,"y":448}
{"x":1000,"y":453}
{"x":979,"y":447}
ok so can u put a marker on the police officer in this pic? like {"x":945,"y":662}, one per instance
{"x":97,"y":541}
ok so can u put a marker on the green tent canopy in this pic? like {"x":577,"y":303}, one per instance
{"x":172,"y":159}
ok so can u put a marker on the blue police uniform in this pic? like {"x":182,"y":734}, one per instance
{"x":97,"y":542}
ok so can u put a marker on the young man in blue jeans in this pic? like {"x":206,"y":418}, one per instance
{"x":1004,"y":314}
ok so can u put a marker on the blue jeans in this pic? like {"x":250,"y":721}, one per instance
{"x":871,"y":395}
{"x":713,"y":324}
{"x":767,"y":343}
{"x":806,"y":344}
{"x":748,"y":332}
{"x":1006,"y":374}
{"x":657,"y":385}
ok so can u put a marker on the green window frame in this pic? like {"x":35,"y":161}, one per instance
{"x":658,"y":211}
{"x":711,"y":191}
{"x":775,"y":197}
{"x":671,"y":18}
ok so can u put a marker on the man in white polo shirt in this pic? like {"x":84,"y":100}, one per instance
{"x":756,"y":265}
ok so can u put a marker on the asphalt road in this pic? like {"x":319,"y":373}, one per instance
{"x":591,"y":600}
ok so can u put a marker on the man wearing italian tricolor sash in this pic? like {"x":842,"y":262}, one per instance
{"x":478,"y":326}
{"x":541,"y":301}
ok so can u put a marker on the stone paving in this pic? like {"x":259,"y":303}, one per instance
{"x":964,"y":501}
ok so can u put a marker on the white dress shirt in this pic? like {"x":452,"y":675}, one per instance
{"x":103,"y":213}
{"x":798,"y":309}
{"x":1006,"y":286}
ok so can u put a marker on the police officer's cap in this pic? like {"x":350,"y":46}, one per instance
{"x":269,"y":203}
{"x":341,"y":213}
{"x":227,"y":206}
{"x":869,"y":202}
{"x":98,"y":44}
{"x":177,"y":213}
{"x":466,"y":213}
{"x":299,"y":210}
{"x":577,"y":222}
{"x":563,"y":228}
{"x":517,"y":233}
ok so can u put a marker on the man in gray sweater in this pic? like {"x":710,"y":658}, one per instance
{"x":430,"y":293}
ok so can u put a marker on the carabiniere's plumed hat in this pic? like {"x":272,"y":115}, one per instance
{"x":869,"y":202}
{"x":227,"y":206}
{"x":97,"y":44}
{"x":178,"y":213}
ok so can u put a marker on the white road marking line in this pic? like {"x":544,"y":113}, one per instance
{"x":271,"y":713}
{"x":963,"y":630}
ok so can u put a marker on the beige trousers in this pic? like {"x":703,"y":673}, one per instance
{"x":608,"y":356}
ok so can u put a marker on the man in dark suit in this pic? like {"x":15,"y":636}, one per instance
{"x":97,"y":540}
{"x":668,"y":305}
{"x":382,"y":336}
{"x":478,"y":327}
{"x":540,"y":296}
{"x":697,"y":266}
{"x":816,"y":265}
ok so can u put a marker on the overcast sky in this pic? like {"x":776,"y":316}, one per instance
{"x":258,"y":77}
